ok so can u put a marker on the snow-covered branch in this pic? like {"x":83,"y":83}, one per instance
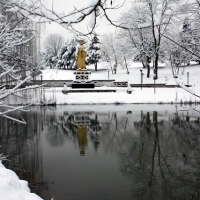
{"x":14,"y":119}
{"x":38,"y":13}
{"x":186,"y":88}
{"x":16,"y":34}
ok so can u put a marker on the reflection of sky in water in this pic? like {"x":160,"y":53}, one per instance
{"x":110,"y":152}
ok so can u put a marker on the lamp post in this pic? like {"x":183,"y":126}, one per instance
{"x":154,"y":78}
{"x":141,"y":78}
{"x":188,"y":78}
{"x":108,"y":74}
{"x":41,"y":79}
{"x":129,"y":90}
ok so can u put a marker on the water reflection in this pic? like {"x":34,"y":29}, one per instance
{"x":82,"y":121}
{"x":129,"y":152}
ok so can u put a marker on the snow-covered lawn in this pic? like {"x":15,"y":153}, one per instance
{"x":146,"y":95}
{"x":134,"y":76}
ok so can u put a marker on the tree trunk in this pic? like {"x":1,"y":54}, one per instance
{"x":143,"y":64}
{"x":115,"y":69}
{"x":126,"y":65}
{"x":148,"y":70}
{"x":95,"y":65}
{"x":111,"y":68}
{"x":115,"y":66}
{"x":155,"y":69}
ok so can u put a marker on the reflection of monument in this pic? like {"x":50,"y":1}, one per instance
{"x":81,"y":75}
{"x":82,"y":139}
{"x":82,"y":121}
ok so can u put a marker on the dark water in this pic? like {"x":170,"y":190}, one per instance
{"x":106,"y":152}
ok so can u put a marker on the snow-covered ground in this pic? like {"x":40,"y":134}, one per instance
{"x":144,"y":95}
{"x":134,"y":77}
{"x":11,"y":188}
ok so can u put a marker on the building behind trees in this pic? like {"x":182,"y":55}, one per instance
{"x":20,"y":43}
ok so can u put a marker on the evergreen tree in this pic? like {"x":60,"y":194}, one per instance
{"x":187,"y":40}
{"x":191,"y":37}
{"x":180,"y":57}
{"x":67,"y":55}
{"x":93,"y":54}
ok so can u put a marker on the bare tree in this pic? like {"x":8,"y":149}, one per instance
{"x":138,"y":40}
{"x":109,"y":51}
{"x":150,"y":21}
{"x":53,"y":43}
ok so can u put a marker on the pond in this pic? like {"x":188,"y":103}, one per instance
{"x":106,"y":152}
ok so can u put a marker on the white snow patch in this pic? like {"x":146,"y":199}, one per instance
{"x":11,"y":188}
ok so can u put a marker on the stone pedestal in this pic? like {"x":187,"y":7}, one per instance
{"x":82,"y":85}
{"x":82,"y":76}
{"x":82,"y":79}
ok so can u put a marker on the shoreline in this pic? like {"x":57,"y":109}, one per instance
{"x":55,"y":96}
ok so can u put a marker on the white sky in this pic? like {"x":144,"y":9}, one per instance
{"x":65,"y":6}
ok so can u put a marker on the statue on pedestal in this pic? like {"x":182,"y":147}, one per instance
{"x":82,"y":75}
{"x":81,"y":56}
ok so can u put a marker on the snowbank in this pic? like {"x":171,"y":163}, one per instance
{"x":138,"y":96}
{"x":11,"y":188}
{"x":54,"y":96}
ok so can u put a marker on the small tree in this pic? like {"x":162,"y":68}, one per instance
{"x":53,"y":44}
{"x":188,"y":45}
{"x":94,"y":53}
{"x":109,"y":51}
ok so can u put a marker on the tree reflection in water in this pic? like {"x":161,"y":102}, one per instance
{"x":21,"y":144}
{"x":159,"y":152}
{"x":162,"y":159}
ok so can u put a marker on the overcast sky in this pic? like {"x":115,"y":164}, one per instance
{"x":65,"y":6}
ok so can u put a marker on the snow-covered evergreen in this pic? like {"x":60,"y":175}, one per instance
{"x":67,"y":54}
{"x":94,"y":53}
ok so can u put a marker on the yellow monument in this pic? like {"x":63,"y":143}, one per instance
{"x":81,"y":56}
{"x":82,"y":75}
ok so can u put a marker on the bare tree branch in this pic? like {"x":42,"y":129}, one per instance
{"x":42,"y":14}
{"x":181,"y":46}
